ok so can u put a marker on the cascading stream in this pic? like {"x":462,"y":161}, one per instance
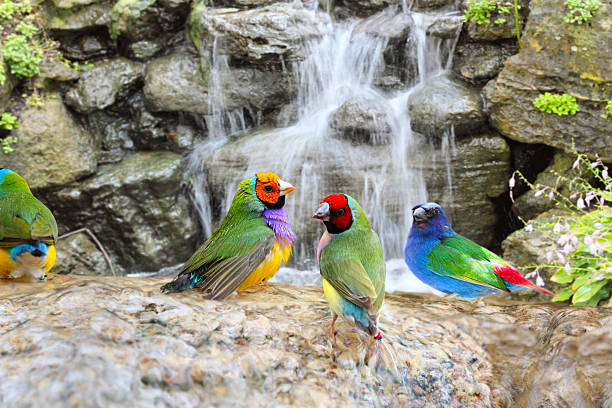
{"x":383,"y":175}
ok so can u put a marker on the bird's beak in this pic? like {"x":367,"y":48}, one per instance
{"x":285,"y":188}
{"x":322,"y":212}
{"x":420,"y":214}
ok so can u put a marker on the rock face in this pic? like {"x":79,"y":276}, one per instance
{"x":52,"y":149}
{"x":361,"y":121}
{"x":77,"y":254}
{"x":560,"y":58}
{"x":258,"y":36}
{"x":104,"y":84}
{"x":139,"y":203}
{"x":271,"y":348}
{"x":479,"y":168}
{"x":442,"y":102}
{"x":480,"y":62}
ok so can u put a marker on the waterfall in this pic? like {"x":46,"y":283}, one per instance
{"x":384,"y":175}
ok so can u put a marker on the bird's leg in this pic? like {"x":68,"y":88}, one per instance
{"x":332,"y":329}
{"x":450,"y":295}
{"x":478,"y":301}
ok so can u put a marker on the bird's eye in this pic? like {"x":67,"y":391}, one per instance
{"x":268,"y":189}
{"x":340,"y":212}
{"x":435,"y":211}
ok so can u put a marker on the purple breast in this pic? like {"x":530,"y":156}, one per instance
{"x":278,"y":221}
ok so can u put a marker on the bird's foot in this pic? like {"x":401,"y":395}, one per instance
{"x":332,"y":329}
{"x":450,"y":295}
{"x":477,"y":301}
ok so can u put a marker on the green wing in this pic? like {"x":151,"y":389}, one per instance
{"x":354,"y":265}
{"x":24,"y":218}
{"x":228,"y":256}
{"x":460,"y":258}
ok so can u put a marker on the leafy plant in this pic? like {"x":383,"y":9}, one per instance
{"x":34,"y":100}
{"x":607,"y":110}
{"x":8,"y":121}
{"x":6,"y":144}
{"x":9,"y":8}
{"x":581,"y":11}
{"x":583,"y":256}
{"x":480,"y":11}
{"x":22,"y":55}
{"x":563,"y":104}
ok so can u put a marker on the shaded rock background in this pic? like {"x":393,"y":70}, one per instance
{"x":106,"y":149}
{"x":138,"y":347}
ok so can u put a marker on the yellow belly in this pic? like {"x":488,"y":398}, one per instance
{"x":268,"y":267}
{"x":7,"y":265}
{"x":333,"y":298}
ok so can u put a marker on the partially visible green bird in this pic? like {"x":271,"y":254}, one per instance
{"x":28,"y":231}
{"x":249,"y":245}
{"x":352,"y":263}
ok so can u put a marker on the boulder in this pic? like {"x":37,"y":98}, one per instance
{"x":79,"y":255}
{"x":7,"y":87}
{"x":119,"y":341}
{"x":77,"y":19}
{"x":440,"y":103}
{"x":52,"y":148}
{"x":138,"y":20}
{"x":174,"y":83}
{"x":85,"y":46}
{"x":273,"y":35}
{"x":362,"y":120}
{"x":445,"y":26}
{"x":364,"y":8}
{"x":481,"y":62}
{"x":564,"y":58}
{"x":136,"y":208}
{"x":479,"y":168}
{"x":493,"y":31}
{"x":104,"y":84}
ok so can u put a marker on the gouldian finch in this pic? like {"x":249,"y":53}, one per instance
{"x":352,"y":263}
{"x":249,"y":245}
{"x":453,"y":264}
{"x":28,"y":231}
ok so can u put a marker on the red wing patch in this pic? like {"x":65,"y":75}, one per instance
{"x":509,"y":274}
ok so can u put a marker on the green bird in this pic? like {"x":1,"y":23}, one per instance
{"x":352,"y":263}
{"x":28,"y":231}
{"x":249,"y":245}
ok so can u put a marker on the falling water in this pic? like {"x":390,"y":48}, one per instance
{"x":383,"y":175}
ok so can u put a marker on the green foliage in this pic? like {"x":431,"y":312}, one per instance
{"x":607,"y":110}
{"x":8,"y":9}
{"x":8,"y":121}
{"x":581,"y":11}
{"x":583,"y":234}
{"x":6,"y":144}
{"x":480,"y":11}
{"x":34,"y":100}
{"x":22,"y":55}
{"x":563,"y":104}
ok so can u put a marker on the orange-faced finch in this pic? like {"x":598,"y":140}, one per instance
{"x":28,"y":231}
{"x":249,"y":245}
{"x":352,"y":264}
{"x":453,"y":264}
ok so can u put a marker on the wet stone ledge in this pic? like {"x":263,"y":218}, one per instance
{"x":89,"y":342}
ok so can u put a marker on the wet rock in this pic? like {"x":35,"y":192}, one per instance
{"x":441,"y":103}
{"x":6,"y":87}
{"x":557,"y":57}
{"x":256,"y":89}
{"x":136,"y":208}
{"x":427,"y":5}
{"x":76,"y":19}
{"x":481,"y":62}
{"x":528,"y":248}
{"x":78,"y":254}
{"x":56,"y":71}
{"x":174,"y":83}
{"x":362,"y":121}
{"x":445,"y":26}
{"x":363,"y":8}
{"x":271,"y":348}
{"x":270,"y":35}
{"x":529,"y":206}
{"x":492,"y":31}
{"x":143,"y":50}
{"x":86,"y":47}
{"x":52,"y":149}
{"x":249,"y":3}
{"x":486,"y":94}
{"x":138,"y":20}
{"x":479,"y":168}
{"x":101,"y":86}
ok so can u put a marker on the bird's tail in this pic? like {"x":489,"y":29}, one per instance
{"x":181,"y":283}
{"x":528,"y":284}
{"x":515,"y":281}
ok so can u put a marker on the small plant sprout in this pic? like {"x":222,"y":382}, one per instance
{"x":559,"y":104}
{"x":582,"y":257}
{"x":607,"y":110}
{"x":8,"y":121}
{"x":481,"y":11}
{"x":580,"y":11}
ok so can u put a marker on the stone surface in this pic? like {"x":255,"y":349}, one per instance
{"x":52,"y":148}
{"x":361,"y":120}
{"x":445,"y":26}
{"x":270,"y":35}
{"x":104,"y":341}
{"x":6,"y":87}
{"x":78,"y":254}
{"x":56,"y":71}
{"x":479,"y":167}
{"x":492,"y":31}
{"x":481,"y":62}
{"x":558,"y":57}
{"x":105,"y":83}
{"x":76,"y":19}
{"x":175,"y":83}
{"x":365,"y":8}
{"x":442,"y":102}
{"x":138,"y":20}
{"x":136,"y":208}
